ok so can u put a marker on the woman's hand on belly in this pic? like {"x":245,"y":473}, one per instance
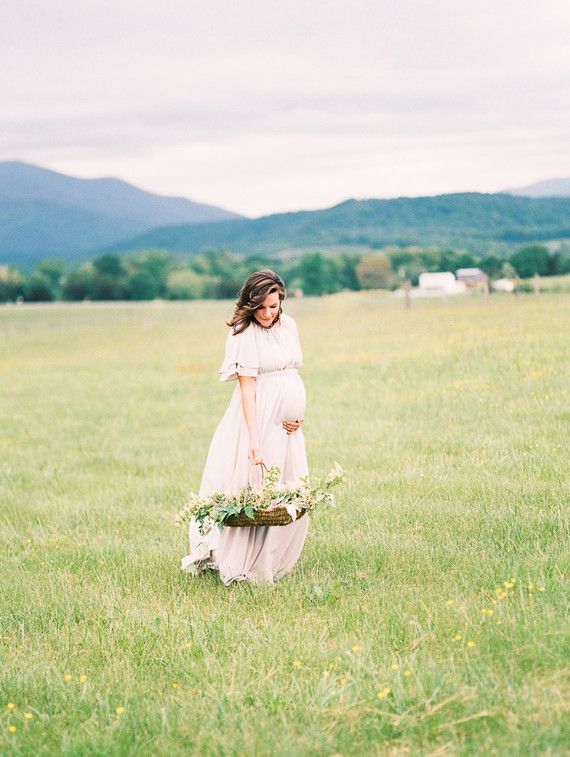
{"x":291,"y":426}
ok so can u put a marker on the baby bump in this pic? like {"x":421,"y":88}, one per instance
{"x":294,"y":397}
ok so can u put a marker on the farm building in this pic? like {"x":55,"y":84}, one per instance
{"x":440,"y":282}
{"x":472,"y":277}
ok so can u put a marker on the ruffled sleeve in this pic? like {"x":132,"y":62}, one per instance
{"x":241,"y":356}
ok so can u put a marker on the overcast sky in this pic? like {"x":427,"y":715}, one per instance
{"x":263,"y":106}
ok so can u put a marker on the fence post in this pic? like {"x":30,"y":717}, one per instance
{"x":407,"y":296}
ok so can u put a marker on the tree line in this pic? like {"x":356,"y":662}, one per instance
{"x":218,"y":274}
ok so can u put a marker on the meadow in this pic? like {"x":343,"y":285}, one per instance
{"x":427,"y":613}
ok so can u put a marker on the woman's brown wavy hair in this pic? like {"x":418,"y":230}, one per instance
{"x":251,"y":296}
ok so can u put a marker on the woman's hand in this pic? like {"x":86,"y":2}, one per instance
{"x":291,"y":426}
{"x":253,"y":454}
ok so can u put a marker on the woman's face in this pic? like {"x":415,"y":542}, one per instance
{"x":268,"y":310}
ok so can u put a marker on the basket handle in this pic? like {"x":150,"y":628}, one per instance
{"x":253,"y":466}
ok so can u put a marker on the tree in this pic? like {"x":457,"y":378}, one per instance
{"x":79,"y":284}
{"x":38,"y":288}
{"x":319,"y":274}
{"x":109,"y":265}
{"x":142,"y":285}
{"x":348,"y":264}
{"x":12,"y":284}
{"x":533,"y":258}
{"x":228,"y":269}
{"x":53,"y":271}
{"x":507,"y":270}
{"x":375,"y":272}
{"x":185,"y":284}
{"x":491,"y":264}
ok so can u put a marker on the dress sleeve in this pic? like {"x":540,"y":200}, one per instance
{"x":241,"y":357}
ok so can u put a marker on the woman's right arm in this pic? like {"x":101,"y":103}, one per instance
{"x":247,"y":386}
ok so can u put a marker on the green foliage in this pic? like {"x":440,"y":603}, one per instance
{"x":508,"y":271}
{"x":491,"y":264}
{"x":375,"y":271}
{"x":12,"y":284}
{"x":142,"y":285}
{"x":467,"y":220}
{"x":319,"y":274}
{"x":409,"y":262}
{"x":215,"y":509}
{"x":38,"y":288}
{"x":79,"y":284}
{"x":109,"y":265}
{"x":185,"y":284}
{"x":53,"y":270}
{"x":530,"y":260}
{"x":219,"y":274}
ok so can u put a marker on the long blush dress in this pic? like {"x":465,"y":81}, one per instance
{"x":256,"y":553}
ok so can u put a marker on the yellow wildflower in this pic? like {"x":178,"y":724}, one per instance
{"x":67,"y":677}
{"x":450,"y":601}
{"x":541,"y":588}
{"x":470,"y":643}
{"x":530,"y":587}
{"x":394,"y":666}
{"x":119,"y":710}
{"x":10,"y":705}
{"x":384,"y":693}
{"x":12,"y":728}
{"x":457,"y":637}
{"x":174,"y":685}
{"x":297,"y":663}
{"x":357,"y":648}
{"x":407,"y":673}
{"x":82,"y":678}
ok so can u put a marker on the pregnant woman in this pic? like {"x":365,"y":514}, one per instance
{"x":261,"y":424}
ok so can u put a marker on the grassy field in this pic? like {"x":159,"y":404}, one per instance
{"x":427,"y":613}
{"x":550,"y":284}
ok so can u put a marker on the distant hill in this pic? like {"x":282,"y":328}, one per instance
{"x":547,"y":188}
{"x":43,"y":212}
{"x":473,"y":221}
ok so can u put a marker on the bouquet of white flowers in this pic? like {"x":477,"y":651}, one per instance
{"x":273,"y":504}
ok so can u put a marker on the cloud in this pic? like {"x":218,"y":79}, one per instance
{"x":268,"y":105}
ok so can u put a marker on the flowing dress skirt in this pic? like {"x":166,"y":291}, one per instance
{"x":256,"y":553}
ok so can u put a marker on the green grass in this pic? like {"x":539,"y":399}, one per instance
{"x":550,"y":284}
{"x":451,"y":421}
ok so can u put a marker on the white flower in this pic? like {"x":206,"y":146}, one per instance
{"x":292,"y":510}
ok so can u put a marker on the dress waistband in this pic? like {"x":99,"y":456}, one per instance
{"x":274,"y":373}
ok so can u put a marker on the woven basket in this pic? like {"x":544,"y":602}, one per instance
{"x":278,"y":516}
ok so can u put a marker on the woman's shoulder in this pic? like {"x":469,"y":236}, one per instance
{"x":290,"y":323}
{"x":239,"y":332}
{"x":288,"y":320}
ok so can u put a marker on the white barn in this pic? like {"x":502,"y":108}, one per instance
{"x":440,"y":282}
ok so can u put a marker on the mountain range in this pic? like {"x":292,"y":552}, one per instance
{"x":472,"y":221}
{"x":45,"y":213}
{"x":547,"y":188}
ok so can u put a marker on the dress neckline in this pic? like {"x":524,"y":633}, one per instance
{"x":274,"y":327}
